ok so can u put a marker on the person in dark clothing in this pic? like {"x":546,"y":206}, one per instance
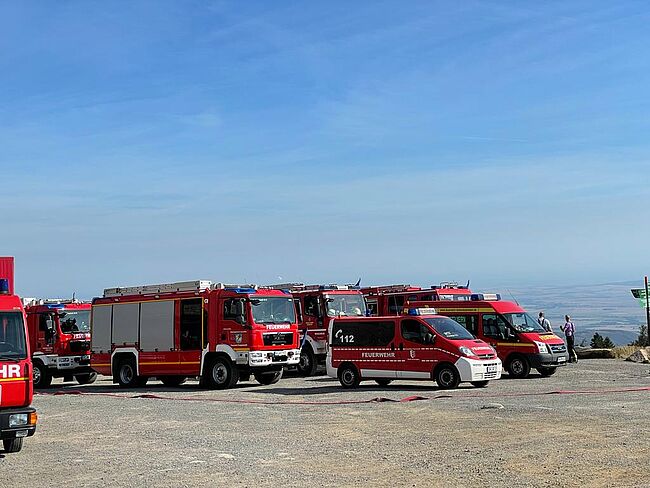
{"x":569,"y":330}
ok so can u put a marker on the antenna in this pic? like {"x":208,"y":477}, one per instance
{"x":513,"y":297}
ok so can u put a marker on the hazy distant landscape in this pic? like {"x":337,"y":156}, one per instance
{"x":608,"y":309}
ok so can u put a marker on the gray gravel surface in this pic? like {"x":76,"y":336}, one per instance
{"x":514,"y":433}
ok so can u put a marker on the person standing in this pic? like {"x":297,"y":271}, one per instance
{"x":569,"y":330}
{"x":544,"y":322}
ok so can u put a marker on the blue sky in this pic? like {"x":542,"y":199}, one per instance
{"x":503,"y":142}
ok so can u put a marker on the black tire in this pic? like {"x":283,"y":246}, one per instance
{"x":85,"y":378}
{"x":383,"y":381}
{"x":518,"y":367}
{"x":172,"y":381}
{"x":268,"y":377}
{"x":41,"y":375}
{"x":13,"y":445}
{"x":349,"y":376}
{"x":546,"y":372}
{"x":127,"y":374}
{"x":447,"y":377}
{"x":480,"y":384}
{"x":308,"y":364}
{"x":220,"y":374}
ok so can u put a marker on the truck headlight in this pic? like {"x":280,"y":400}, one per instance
{"x":18,"y":419}
{"x":542,"y":348}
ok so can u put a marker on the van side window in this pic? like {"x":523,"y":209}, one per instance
{"x":494,"y":326}
{"x":415,"y":331}
{"x":363,"y":334}
{"x":470,"y":322}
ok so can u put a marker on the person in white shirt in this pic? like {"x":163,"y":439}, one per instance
{"x":544,"y":322}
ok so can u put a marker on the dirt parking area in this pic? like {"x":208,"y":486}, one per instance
{"x":514,"y":433}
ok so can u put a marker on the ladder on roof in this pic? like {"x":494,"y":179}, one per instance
{"x":195,"y":285}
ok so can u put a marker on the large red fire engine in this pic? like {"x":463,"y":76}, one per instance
{"x":59,"y":336}
{"x":17,"y":418}
{"x":390,"y":299}
{"x":220,"y":333}
{"x":520,"y":341}
{"x":317,"y":305}
{"x":419,"y":346}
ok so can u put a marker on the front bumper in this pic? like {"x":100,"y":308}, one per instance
{"x":547,"y":360}
{"x":286,"y":357}
{"x":479,"y":369}
{"x":73,"y":362}
{"x":7,"y":432}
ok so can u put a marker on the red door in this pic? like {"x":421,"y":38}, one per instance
{"x":416,"y":353}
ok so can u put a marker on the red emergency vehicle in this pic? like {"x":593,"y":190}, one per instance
{"x":220,"y":333}
{"x":317,"y":305}
{"x":59,"y":336}
{"x":419,"y":346}
{"x":390,"y":299}
{"x":520,"y":341}
{"x":17,"y":418}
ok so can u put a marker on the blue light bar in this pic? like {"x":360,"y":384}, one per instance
{"x":422,"y":311}
{"x":487,"y":297}
{"x":56,"y":306}
{"x":241,"y":290}
{"x":4,"y":286}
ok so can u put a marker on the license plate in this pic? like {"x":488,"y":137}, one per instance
{"x":492,"y":368}
{"x":561,"y":359}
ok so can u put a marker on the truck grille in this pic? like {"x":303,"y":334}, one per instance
{"x":79,"y":346}
{"x":278,"y":339}
{"x":486,"y":356}
{"x":557,"y":348}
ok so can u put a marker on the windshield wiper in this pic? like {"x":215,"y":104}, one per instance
{"x":9,"y":358}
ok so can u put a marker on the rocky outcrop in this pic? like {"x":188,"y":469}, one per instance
{"x":640,"y":356}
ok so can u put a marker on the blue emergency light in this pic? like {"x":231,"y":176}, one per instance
{"x":4,"y":286}
{"x":241,"y":290}
{"x":422,"y":311}
{"x":487,"y":297}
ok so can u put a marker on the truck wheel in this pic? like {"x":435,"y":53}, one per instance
{"x":41,"y":375}
{"x":383,"y":381}
{"x":349,"y":376}
{"x":85,"y":378}
{"x":268,"y":377}
{"x":518,"y":367}
{"x":126,"y":374}
{"x":13,"y":445}
{"x":220,"y":374}
{"x":308,"y":364}
{"x":172,"y":380}
{"x":546,"y":371}
{"x":447,"y":377}
{"x":480,"y":384}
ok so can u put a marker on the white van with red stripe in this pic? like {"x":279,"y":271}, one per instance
{"x":419,"y":346}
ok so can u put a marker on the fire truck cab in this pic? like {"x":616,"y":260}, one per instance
{"x":317,"y":306}
{"x":390,"y":299}
{"x":59,"y":333}
{"x":519,"y":340}
{"x":219,"y":333}
{"x":419,"y":346}
{"x":17,"y":418}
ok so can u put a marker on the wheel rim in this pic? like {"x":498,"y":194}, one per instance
{"x":219,"y":373}
{"x":305,"y":362}
{"x":517,"y":367}
{"x":36,"y":375}
{"x":126,"y":374}
{"x":446,"y":377}
{"x":348,"y":377}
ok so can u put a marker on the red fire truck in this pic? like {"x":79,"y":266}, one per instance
{"x":390,"y":299}
{"x":317,"y":305}
{"x":519,"y":340}
{"x":219,"y":333}
{"x":17,"y":418}
{"x":59,"y":336}
{"x":419,"y":346}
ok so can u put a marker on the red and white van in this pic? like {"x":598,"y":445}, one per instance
{"x":420,"y":346}
{"x":519,"y":340}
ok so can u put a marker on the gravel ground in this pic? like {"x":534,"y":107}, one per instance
{"x":509,"y":434}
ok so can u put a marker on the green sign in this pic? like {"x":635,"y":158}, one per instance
{"x":639,"y":294}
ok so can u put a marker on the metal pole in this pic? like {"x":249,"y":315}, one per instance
{"x":647,"y":312}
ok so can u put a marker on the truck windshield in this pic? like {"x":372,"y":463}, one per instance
{"x":273,"y":310}
{"x":352,"y":305}
{"x":74,"y":321}
{"x":12,"y":336}
{"x":522,"y":322}
{"x":448,"y":328}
